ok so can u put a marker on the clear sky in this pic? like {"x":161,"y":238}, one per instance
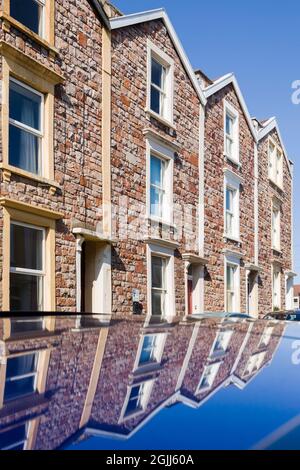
{"x":257,"y":40}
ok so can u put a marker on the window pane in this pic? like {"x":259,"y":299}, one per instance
{"x":148,"y":349}
{"x":26,"y":247}
{"x":229,"y":146}
{"x":25,"y":293}
{"x":24,"y":106}
{"x":19,"y":388}
{"x":155,"y":208}
{"x":157,"y":272}
{"x":28,"y":12}
{"x":24,"y":150}
{"x":229,"y":224}
{"x":156,"y":171}
{"x":229,"y":200}
{"x":157,"y":303}
{"x":155,"y":100}
{"x":20,"y":365}
{"x":229,"y":125}
{"x":26,"y":324}
{"x":134,"y":403}
{"x":157,"y":74}
{"x":229,"y":278}
{"x":13,"y":436}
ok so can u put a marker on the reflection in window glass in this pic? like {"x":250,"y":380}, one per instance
{"x":29,"y":13}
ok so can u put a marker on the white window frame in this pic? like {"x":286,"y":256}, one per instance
{"x":232,"y":182}
{"x":233,"y":262}
{"x":276,"y":287}
{"x":33,"y":272}
{"x":289,"y":293}
{"x":153,"y":52}
{"x":147,"y":389}
{"x":229,"y":110}
{"x":275,"y":164}
{"x":266,"y":336}
{"x":156,"y":149}
{"x":276,"y":226}
{"x":20,"y":377}
{"x":215,"y":369}
{"x":254,"y":363}
{"x":168,"y":255}
{"x":39,"y":134}
{"x":158,"y":351}
{"x":228,"y":335}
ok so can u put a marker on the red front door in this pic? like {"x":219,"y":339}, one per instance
{"x":190,"y":295}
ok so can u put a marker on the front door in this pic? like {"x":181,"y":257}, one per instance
{"x":190,"y":295}
{"x":252,"y":294}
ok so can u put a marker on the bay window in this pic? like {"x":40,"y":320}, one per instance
{"x":25,"y":127}
{"x":27,"y":270}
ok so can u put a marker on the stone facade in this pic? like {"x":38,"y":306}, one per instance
{"x":77,"y":135}
{"x":268,"y":192}
{"x":215,"y":163}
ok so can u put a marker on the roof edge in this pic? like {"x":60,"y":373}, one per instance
{"x":99,"y":10}
{"x":161,"y":14}
{"x":221,"y":83}
{"x":270,"y":126}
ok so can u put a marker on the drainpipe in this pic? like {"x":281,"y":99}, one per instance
{"x":79,"y":243}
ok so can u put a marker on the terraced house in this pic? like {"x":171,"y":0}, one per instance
{"x":130,"y":184}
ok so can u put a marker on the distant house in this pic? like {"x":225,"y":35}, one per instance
{"x":297,"y":297}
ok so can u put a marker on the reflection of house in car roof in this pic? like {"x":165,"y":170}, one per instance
{"x":75,"y":382}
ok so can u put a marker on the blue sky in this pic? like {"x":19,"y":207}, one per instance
{"x":260,"y":43}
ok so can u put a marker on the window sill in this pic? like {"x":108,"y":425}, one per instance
{"x":278,"y":186}
{"x":232,"y":160}
{"x":232,"y":239}
{"x":164,"y":223}
{"x":8,"y":171}
{"x":133,"y":415}
{"x":149,"y":368}
{"x":9,"y":21}
{"x":277,"y":250}
{"x":160,"y":119}
{"x":31,"y":335}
